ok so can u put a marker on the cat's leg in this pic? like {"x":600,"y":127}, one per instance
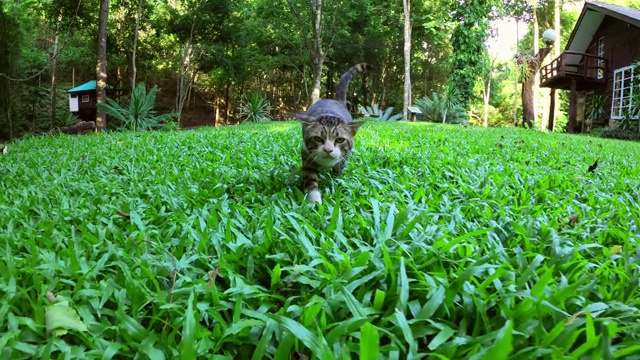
{"x":310,"y":182}
{"x":338,"y":169}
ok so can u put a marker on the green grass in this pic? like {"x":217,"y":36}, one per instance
{"x":438,"y":242}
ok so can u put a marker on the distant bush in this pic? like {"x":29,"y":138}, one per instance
{"x":623,"y":134}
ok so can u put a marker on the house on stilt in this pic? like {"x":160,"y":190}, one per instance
{"x":598,"y":67}
{"x":83,"y":100}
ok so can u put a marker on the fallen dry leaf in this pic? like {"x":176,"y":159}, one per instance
{"x":213,"y":274}
{"x":84,"y":157}
{"x":573,"y":219}
{"x":123,"y":214}
{"x":593,"y":167}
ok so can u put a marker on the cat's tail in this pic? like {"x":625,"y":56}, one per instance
{"x":341,"y":92}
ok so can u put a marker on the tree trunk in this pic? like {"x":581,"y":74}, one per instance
{"x":556,"y":53}
{"x":533,"y":64}
{"x":101,"y":67}
{"x":486,"y":96}
{"x":54,"y":63}
{"x":317,"y":53}
{"x":515,"y":81}
{"x":536,"y":48}
{"x":552,"y":110}
{"x":184,"y":78}
{"x":407,"y":58}
{"x":134,"y":69}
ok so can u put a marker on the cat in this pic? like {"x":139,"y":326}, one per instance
{"x":327,"y":135}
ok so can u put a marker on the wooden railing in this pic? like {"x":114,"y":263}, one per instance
{"x":572,"y":64}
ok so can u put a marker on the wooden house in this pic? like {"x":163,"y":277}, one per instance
{"x":82,"y":100}
{"x":598,"y":61}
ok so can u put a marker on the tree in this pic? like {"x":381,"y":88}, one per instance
{"x":467,"y":41}
{"x":532,"y":66}
{"x":101,"y":67}
{"x":407,"y":58}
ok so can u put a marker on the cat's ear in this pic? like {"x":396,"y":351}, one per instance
{"x":354,"y":126}
{"x":305,"y":118}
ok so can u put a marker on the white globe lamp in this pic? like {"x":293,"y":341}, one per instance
{"x":549,"y":36}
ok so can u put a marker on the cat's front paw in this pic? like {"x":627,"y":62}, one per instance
{"x":314,"y":196}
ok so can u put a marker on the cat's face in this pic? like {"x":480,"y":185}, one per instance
{"x":328,"y":141}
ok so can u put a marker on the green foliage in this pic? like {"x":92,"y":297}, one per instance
{"x":449,"y":242}
{"x":378,"y":113}
{"x":255,"y":108}
{"x":622,"y":133}
{"x":444,"y":109}
{"x":139,"y":114}
{"x":67,"y":119}
{"x":468,"y":41}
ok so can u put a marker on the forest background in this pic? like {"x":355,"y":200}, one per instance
{"x":213,"y":59}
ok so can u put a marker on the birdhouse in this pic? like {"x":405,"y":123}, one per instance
{"x":82,"y":100}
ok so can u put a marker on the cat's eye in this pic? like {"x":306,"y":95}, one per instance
{"x":317,"y":139}
{"x":340,"y":140}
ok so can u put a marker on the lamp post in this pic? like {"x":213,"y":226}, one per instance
{"x":549,"y":36}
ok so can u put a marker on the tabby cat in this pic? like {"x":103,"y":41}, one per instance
{"x":327,"y":134}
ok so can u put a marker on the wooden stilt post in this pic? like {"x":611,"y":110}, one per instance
{"x":573,"y":106}
{"x":552,"y":109}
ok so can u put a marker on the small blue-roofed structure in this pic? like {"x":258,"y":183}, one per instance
{"x":83,"y":98}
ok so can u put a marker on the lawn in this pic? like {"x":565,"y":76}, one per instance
{"x":438,"y":242}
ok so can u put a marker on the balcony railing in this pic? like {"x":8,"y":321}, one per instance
{"x":572,"y":64}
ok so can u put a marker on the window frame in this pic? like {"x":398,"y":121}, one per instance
{"x":618,"y":106}
{"x":85,"y":97}
{"x":600,"y":53}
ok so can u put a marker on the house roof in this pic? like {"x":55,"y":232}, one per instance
{"x":89,"y":85}
{"x":590,"y":19}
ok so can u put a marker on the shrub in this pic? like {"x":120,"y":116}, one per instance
{"x":624,"y":134}
{"x":376,"y":112}
{"x":255,"y":108}
{"x":139,"y":115}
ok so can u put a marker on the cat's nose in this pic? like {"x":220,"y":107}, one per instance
{"x":328,"y":150}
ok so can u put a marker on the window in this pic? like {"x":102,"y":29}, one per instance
{"x":85,"y":98}
{"x":622,"y":92}
{"x":601,"y":54}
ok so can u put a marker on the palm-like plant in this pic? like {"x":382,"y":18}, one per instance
{"x":255,"y":108}
{"x":139,"y":115}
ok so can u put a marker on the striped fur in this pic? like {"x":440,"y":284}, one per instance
{"x":328,"y":135}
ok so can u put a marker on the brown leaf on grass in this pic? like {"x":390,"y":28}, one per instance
{"x":116,"y":168}
{"x":593,"y":167}
{"x":213,"y":274}
{"x":500,"y":145}
{"x":84,"y":157}
{"x":526,"y":162}
{"x":123,"y":214}
{"x":520,"y":141}
{"x":50,"y":296}
{"x":573,"y":219}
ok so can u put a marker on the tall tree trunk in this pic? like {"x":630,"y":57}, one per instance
{"x":134,"y":69}
{"x":184,"y":82}
{"x":317,"y":53}
{"x":536,"y":48}
{"x":101,"y":67}
{"x":533,"y":65}
{"x":486,"y":95}
{"x":54,"y":63}
{"x":407,"y":59}
{"x":556,"y":52}
{"x":515,"y":81}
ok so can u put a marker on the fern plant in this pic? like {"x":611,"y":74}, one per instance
{"x":139,"y":114}
{"x":378,"y":113}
